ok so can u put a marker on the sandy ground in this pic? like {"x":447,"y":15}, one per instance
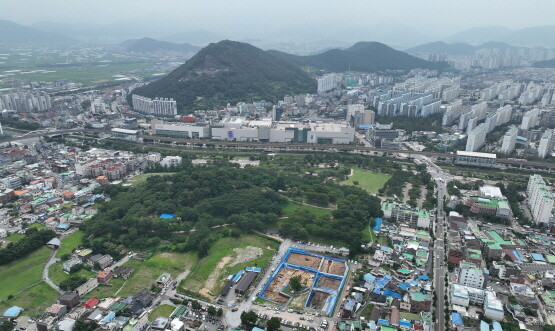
{"x":246,"y":254}
{"x":211,"y":281}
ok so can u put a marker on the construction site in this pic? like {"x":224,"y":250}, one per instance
{"x":323,"y":276}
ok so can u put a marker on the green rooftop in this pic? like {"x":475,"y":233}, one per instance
{"x":495,"y":236}
{"x":419,"y":296}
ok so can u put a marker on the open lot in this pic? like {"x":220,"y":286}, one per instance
{"x":70,"y":243}
{"x":34,"y":300}
{"x":22,"y":273}
{"x":368,"y":180}
{"x":161,"y":311}
{"x":228,"y":256}
{"x":145,"y":274}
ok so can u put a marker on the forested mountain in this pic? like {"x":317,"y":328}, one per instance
{"x":13,"y":33}
{"x":149,"y":45}
{"x":229,"y":72}
{"x":545,"y":64}
{"x":363,"y":56}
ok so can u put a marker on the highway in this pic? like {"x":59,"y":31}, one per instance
{"x":281,"y":147}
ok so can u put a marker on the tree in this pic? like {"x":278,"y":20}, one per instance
{"x":211,"y":311}
{"x":249,"y":318}
{"x":72,"y":283}
{"x":273,"y":324}
{"x":296,"y":283}
{"x":82,"y":325}
{"x":220,"y":312}
{"x":195,"y":305}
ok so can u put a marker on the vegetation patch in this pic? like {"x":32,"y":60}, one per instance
{"x":23,"y":272}
{"x":70,"y":243}
{"x":34,"y":300}
{"x":161,"y":311}
{"x":367,"y":180}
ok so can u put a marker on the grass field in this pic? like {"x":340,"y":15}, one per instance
{"x":146,"y":273}
{"x":161,"y":311}
{"x":368,"y":180}
{"x":70,"y":243}
{"x":369,"y":235}
{"x":57,"y":275}
{"x":210,"y":271}
{"x":37,"y":226}
{"x":139,"y":179}
{"x":14,"y":237}
{"x":34,"y":300}
{"x":291,"y":208}
{"x":22,"y":273}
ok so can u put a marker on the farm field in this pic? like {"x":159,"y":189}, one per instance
{"x":367,"y":180}
{"x":227,"y":256}
{"x":34,"y":300}
{"x":22,"y":273}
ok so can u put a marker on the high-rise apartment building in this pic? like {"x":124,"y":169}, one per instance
{"x":540,"y":199}
{"x":545,"y":145}
{"x":476,"y":138}
{"x":509,"y":141}
{"x":157,"y":107}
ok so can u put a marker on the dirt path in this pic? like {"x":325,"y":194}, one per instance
{"x":352,"y":173}
{"x":210,"y":283}
{"x":406,"y":190}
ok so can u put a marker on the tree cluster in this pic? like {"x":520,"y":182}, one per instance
{"x":33,"y":240}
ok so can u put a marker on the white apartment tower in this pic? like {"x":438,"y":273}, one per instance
{"x":157,"y":107}
{"x":476,"y":138}
{"x":328,"y":82}
{"x":540,"y":199}
{"x":509,"y":141}
{"x":545,"y":143}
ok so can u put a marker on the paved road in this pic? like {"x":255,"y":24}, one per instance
{"x":45,"y":275}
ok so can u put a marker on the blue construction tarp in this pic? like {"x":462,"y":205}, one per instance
{"x":383,"y":322}
{"x":378,"y":224}
{"x":381,"y":282}
{"x":167,"y":216}
{"x":456,"y":318}
{"x":423,"y":277}
{"x":538,"y":257}
{"x":253,"y":269}
{"x":385,"y":249}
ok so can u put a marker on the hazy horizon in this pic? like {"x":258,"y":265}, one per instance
{"x":427,"y":20}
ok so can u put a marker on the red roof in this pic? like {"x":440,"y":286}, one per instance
{"x":91,"y":303}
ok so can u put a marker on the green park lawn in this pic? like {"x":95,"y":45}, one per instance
{"x":368,"y":180}
{"x":291,"y":208}
{"x":23,"y":272}
{"x":34,"y":300}
{"x":208,"y":265}
{"x":70,"y":243}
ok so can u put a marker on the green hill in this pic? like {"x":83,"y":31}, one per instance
{"x":363,"y":56}
{"x":229,"y":72}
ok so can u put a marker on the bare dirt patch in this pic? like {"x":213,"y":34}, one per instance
{"x":210,"y":283}
{"x":246,"y":254}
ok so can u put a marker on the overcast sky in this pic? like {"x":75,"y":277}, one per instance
{"x":254,"y":18}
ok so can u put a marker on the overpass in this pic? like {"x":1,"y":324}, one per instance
{"x":285,"y":147}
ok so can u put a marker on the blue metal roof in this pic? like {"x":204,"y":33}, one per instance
{"x":538,"y":257}
{"x":12,"y":311}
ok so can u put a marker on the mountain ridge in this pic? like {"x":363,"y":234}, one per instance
{"x":362,"y":56}
{"x":151,"y":45}
{"x":13,"y":33}
{"x":229,"y":72}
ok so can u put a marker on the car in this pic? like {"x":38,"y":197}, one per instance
{"x":234,"y":309}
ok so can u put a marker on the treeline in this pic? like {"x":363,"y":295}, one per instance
{"x":16,"y":124}
{"x":33,"y":240}
{"x":410,"y":124}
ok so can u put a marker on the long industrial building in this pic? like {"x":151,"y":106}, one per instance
{"x":263,"y":130}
